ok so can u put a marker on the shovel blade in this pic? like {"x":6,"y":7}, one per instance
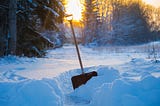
{"x":78,"y":80}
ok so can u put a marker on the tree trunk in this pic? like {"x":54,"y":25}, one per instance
{"x":12,"y":26}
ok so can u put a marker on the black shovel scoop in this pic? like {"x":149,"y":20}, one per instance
{"x":84,"y":77}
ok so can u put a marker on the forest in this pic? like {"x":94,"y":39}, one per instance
{"x":30,"y":27}
{"x":79,"y":53}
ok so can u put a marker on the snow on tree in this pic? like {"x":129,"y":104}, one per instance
{"x":36,"y":17}
{"x":33,"y":17}
{"x":90,"y":18}
{"x":122,"y":22}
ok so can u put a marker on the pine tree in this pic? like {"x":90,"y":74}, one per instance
{"x":3,"y":27}
{"x":12,"y":26}
{"x":35,"y":17}
{"x":90,"y":18}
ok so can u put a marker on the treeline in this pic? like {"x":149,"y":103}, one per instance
{"x":39,"y":24}
{"x":120,"y":22}
{"x":33,"y":17}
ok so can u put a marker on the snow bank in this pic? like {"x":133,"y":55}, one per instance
{"x":112,"y":89}
{"x":30,"y":93}
{"x":109,"y":88}
{"x":123,"y":80}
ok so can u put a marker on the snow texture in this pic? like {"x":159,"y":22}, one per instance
{"x":51,"y":10}
{"x":124,"y":79}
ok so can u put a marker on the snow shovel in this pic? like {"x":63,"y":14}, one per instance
{"x":78,"y":80}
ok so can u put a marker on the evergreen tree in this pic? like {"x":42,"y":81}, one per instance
{"x":35,"y":17}
{"x":42,"y":15}
{"x":90,"y":18}
{"x":3,"y":26}
{"x":12,"y":26}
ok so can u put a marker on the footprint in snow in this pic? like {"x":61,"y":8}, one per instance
{"x":74,"y":100}
{"x":10,"y":75}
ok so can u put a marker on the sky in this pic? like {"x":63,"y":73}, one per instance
{"x":155,"y":3}
{"x":75,"y":7}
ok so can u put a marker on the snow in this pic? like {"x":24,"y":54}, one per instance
{"x":124,"y":79}
{"x":52,"y":11}
{"x":30,"y":1}
{"x":112,"y":89}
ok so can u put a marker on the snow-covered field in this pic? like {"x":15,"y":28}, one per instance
{"x":126,"y":78}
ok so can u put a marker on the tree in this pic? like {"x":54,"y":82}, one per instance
{"x":125,"y":22}
{"x":90,"y":19}
{"x":22,"y":26}
{"x":34,"y":18}
{"x":12,"y":26}
{"x":3,"y":27}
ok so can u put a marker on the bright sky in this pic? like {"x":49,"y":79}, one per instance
{"x":75,"y":7}
{"x":155,"y":3}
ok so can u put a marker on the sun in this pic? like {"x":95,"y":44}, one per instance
{"x":74,"y":7}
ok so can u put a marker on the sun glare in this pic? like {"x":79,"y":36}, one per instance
{"x":155,"y":3}
{"x":74,"y":7}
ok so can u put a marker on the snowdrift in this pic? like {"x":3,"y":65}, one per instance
{"x":112,"y":89}
{"x":137,"y":85}
{"x":29,"y":93}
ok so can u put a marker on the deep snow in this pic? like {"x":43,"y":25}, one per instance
{"x":124,"y":79}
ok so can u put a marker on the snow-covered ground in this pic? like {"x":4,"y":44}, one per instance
{"x":126,"y":78}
